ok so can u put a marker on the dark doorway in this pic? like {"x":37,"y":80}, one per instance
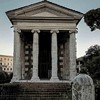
{"x":45,"y":55}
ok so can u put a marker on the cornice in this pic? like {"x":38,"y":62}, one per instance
{"x":21,"y":13}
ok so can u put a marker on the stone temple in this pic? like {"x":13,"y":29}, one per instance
{"x":44,"y":42}
{"x":44,"y":50}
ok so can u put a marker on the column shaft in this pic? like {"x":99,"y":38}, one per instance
{"x":54,"y":51}
{"x":35,"y":55}
{"x":17,"y":56}
{"x":72,"y":54}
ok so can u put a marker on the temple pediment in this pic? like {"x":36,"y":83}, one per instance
{"x":44,"y":9}
{"x":45,"y":14}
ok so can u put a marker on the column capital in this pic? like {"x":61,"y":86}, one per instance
{"x":73,"y":31}
{"x":54,"y":31}
{"x":17,"y":30}
{"x":35,"y":31}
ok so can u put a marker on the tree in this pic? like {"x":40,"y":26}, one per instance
{"x":4,"y":77}
{"x":93,"y":51}
{"x":92,"y":19}
{"x":92,"y":61}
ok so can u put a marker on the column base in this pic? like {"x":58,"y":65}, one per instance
{"x":35,"y":79}
{"x":14,"y":79}
{"x":54,"y":79}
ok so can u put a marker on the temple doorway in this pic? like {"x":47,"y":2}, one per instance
{"x":44,"y":55}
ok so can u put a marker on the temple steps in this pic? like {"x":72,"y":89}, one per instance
{"x":40,"y":91}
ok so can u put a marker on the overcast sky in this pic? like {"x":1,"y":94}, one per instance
{"x":85,"y":38}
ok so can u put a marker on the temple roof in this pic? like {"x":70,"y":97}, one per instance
{"x":44,"y":9}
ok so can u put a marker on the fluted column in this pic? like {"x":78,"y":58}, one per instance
{"x":17,"y":56}
{"x":72,"y":53}
{"x":35,"y":76}
{"x":54,"y":51}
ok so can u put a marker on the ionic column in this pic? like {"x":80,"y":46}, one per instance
{"x":35,"y":55}
{"x":54,"y":51}
{"x":72,"y":53}
{"x":17,"y":56}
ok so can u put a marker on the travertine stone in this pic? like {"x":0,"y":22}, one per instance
{"x":66,"y":61}
{"x":43,"y":25}
{"x":23,"y":59}
{"x":35,"y":55}
{"x":54,"y":51}
{"x":83,"y":88}
{"x":17,"y":56}
{"x":72,"y":54}
{"x":44,"y":16}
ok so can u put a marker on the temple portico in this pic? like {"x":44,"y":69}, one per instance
{"x":44,"y":42}
{"x":55,"y":54}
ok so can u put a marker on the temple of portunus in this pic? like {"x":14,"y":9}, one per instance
{"x":44,"y":43}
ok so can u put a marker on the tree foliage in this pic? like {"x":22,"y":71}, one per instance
{"x":92,"y":19}
{"x":4,"y":76}
{"x":93,"y":51}
{"x":92,"y":61}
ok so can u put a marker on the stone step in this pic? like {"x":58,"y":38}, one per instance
{"x":39,"y":91}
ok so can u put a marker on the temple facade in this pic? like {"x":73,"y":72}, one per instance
{"x":44,"y":42}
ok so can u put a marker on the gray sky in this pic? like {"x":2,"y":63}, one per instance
{"x":85,"y":38}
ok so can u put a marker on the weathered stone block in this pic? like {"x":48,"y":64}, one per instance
{"x":36,"y":91}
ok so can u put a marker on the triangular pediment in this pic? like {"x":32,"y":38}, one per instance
{"x":44,"y":9}
{"x":44,"y":14}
